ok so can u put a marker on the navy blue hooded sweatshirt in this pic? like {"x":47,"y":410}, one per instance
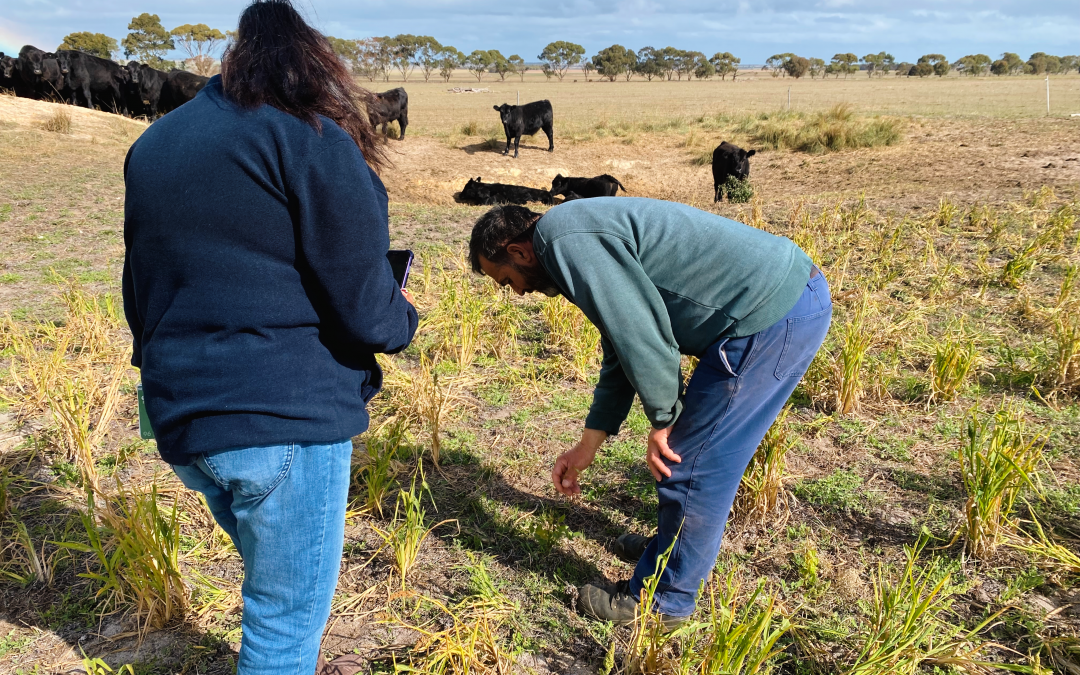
{"x":256,"y":282}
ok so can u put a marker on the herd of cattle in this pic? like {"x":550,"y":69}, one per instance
{"x":84,"y":79}
{"x":137,"y":89}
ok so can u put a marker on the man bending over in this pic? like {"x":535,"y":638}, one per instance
{"x":660,"y":279}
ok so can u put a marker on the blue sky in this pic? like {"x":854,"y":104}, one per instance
{"x":751,"y":30}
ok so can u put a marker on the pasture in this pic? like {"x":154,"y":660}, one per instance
{"x":917,"y":509}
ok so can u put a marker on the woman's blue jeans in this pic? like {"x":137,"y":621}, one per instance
{"x":738,"y":389}
{"x":284,"y":507}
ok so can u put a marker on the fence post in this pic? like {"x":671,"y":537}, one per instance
{"x":1047,"y":94}
{"x":789,"y":98}
{"x":519,"y":97}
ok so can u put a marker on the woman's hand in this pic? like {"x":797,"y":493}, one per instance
{"x":574,"y":461}
{"x":408,"y":296}
{"x":658,"y":448}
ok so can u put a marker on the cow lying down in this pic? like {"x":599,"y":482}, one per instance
{"x":583,"y":188}
{"x":491,"y":194}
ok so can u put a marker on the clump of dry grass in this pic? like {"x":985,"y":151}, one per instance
{"x":59,"y":122}
{"x":831,"y":131}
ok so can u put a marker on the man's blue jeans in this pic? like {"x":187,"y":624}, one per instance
{"x":737,"y":391}
{"x":284,"y":507}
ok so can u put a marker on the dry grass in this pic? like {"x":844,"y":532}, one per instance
{"x":59,"y":122}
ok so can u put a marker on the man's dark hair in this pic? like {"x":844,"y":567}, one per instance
{"x":497,"y":229}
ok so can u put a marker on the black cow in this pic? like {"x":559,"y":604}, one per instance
{"x":179,"y":87}
{"x":40,"y":71}
{"x":581,"y":188}
{"x":93,"y":81}
{"x":391,"y":106}
{"x":491,"y":194}
{"x":11,"y":78}
{"x":144,"y":85}
{"x":729,"y":160}
{"x":518,"y":120}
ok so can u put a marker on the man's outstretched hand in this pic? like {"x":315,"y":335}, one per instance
{"x":658,"y":451}
{"x":574,"y":461}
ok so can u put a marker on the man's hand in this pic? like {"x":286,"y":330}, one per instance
{"x":574,"y":461}
{"x":408,"y":296}
{"x":658,"y":447}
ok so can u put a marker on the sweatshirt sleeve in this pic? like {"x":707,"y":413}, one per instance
{"x":606,"y":280}
{"x":613,"y":395}
{"x":131,"y":310}
{"x":344,"y":236}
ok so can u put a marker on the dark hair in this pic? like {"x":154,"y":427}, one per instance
{"x":497,"y":229}
{"x":279,"y":60}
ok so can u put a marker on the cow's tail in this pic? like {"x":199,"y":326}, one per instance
{"x":620,"y":185}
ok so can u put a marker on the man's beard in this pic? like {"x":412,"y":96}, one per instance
{"x":538,"y":280}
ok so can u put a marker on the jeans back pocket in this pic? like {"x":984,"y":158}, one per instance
{"x":253,"y":472}
{"x":801,"y":344}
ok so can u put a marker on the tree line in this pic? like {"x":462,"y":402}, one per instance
{"x":149,"y":42}
{"x":375,"y":58}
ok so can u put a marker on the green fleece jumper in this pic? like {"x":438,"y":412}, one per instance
{"x":660,"y":279}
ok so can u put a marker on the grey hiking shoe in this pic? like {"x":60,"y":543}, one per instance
{"x":630,"y":547}
{"x":617,"y":604}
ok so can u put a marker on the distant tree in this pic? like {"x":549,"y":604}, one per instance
{"x":97,"y":44}
{"x":648,"y":63}
{"x":450,"y":59}
{"x":500,"y":65}
{"x":796,"y":66}
{"x":817,"y":68}
{"x":148,"y":40}
{"x":844,"y":63}
{"x":972,"y":64}
{"x":519,"y":66}
{"x":560,"y":55}
{"x":613,"y":61}
{"x":1012,"y":64}
{"x":878,"y":64}
{"x":426,"y":57}
{"x":725,"y":64}
{"x":1042,"y":63}
{"x":199,"y":41}
{"x":683,"y":63}
{"x":938,"y":64}
{"x":775,"y":63}
{"x":666,"y":58}
{"x":904,"y":68}
{"x":347,"y":51}
{"x":547,"y":70}
{"x":479,"y":62}
{"x":703,"y":69}
{"x":587,"y":67}
{"x":1070,"y":64}
{"x":631,"y":65}
{"x":403,"y":49}
{"x":921,"y":69}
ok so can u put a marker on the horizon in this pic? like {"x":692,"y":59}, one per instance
{"x":821,"y":29}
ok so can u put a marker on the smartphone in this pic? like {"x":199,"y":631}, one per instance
{"x":400,"y":263}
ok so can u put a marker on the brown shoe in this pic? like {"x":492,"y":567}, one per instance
{"x":348,"y":664}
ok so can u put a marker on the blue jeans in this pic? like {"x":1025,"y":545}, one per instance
{"x":284,"y":507}
{"x":739,"y":388}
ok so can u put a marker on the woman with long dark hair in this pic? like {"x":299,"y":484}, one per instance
{"x":258,"y":292}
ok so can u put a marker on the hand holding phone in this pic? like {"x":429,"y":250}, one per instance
{"x":401,"y":264}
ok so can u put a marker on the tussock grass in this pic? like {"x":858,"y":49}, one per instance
{"x":761,"y":492}
{"x":830,"y":131}
{"x":59,"y":122}
{"x":997,"y":458}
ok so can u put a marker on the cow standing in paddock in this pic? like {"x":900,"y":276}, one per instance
{"x":179,"y":87}
{"x":491,"y":194}
{"x":91,"y":80}
{"x":519,"y":120}
{"x":40,"y":71}
{"x":145,"y":84}
{"x":10,"y":79}
{"x":391,"y":106}
{"x":729,"y":160}
{"x":583,"y":188}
